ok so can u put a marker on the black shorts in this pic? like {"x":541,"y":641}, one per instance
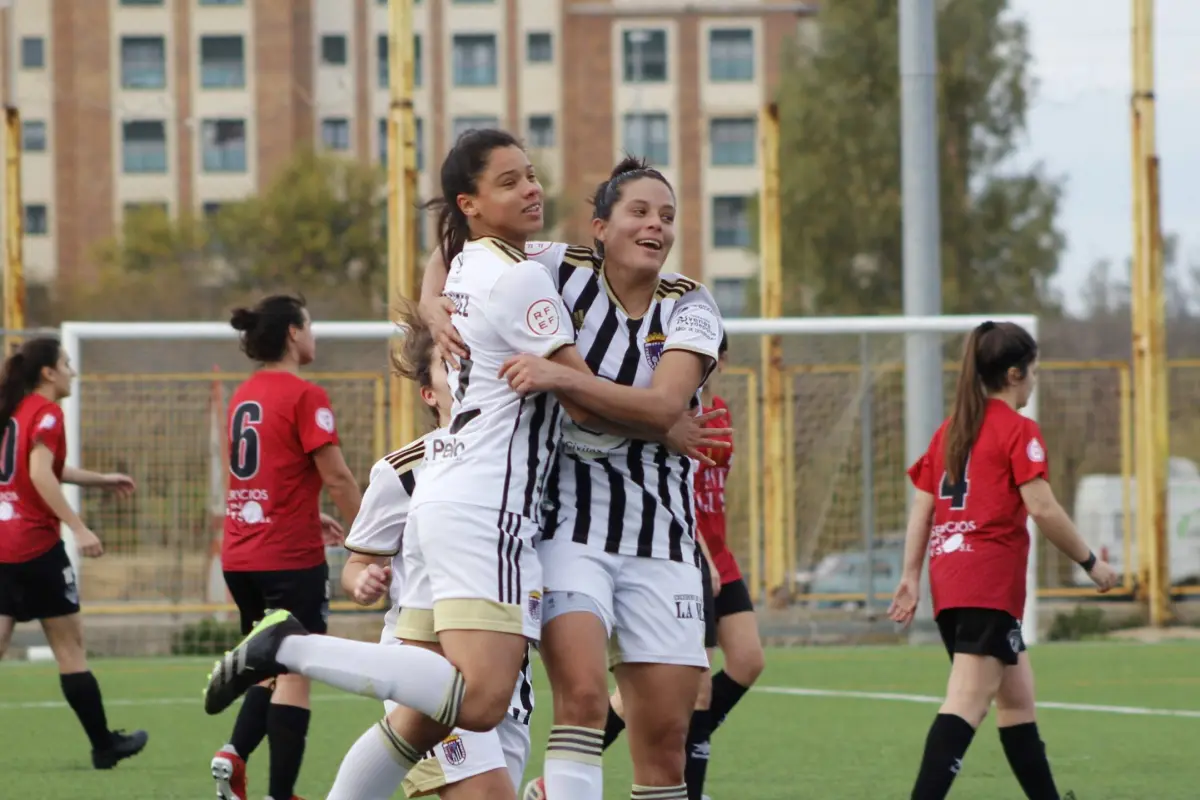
{"x":710,"y":607}
{"x":304,"y":592}
{"x":40,"y":588}
{"x":981,"y":632}
{"x":734,"y":599}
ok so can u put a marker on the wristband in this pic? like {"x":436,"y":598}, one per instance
{"x":1089,"y":563}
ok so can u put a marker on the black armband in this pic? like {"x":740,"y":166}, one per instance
{"x":1089,"y":562}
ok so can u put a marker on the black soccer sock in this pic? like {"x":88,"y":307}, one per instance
{"x":1026,"y":753}
{"x":83,"y":695}
{"x":251,"y":726}
{"x":726,"y":692}
{"x":696,"y":767}
{"x":947,"y":743}
{"x":287,"y":728}
{"x":612,"y":726}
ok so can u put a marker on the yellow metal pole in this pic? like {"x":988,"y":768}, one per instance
{"x":1137,"y":298}
{"x":402,"y":199}
{"x":775,"y":488}
{"x":14,"y":230}
{"x":1150,"y":335}
{"x":1126,"y":416}
{"x":756,"y":541}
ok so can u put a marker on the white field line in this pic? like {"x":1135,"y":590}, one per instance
{"x":777,"y":690}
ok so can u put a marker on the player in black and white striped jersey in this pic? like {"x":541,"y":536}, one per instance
{"x":618,"y":539}
{"x":466,"y":765}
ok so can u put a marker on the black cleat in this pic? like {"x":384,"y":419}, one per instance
{"x":251,"y":662}
{"x":123,"y":745}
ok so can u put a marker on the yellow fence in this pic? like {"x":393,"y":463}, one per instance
{"x":157,"y":427}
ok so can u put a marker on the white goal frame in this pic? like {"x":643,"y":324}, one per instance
{"x":74,"y":334}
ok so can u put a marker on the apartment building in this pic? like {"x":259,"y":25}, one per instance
{"x":192,"y":103}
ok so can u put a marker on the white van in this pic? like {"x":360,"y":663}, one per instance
{"x":1100,"y":517}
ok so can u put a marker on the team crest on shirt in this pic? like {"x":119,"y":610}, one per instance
{"x":535,"y":605}
{"x":1014,"y":640}
{"x":48,"y":422}
{"x":325,"y":420}
{"x":1035,"y":452}
{"x":654,"y":348}
{"x":577,"y":318}
{"x":455,"y":750}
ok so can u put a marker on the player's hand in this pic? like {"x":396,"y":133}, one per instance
{"x":371,"y":584}
{"x":689,"y":436}
{"x":436,"y":314}
{"x":122,"y":485}
{"x":88,"y":543}
{"x":529,"y":374}
{"x":1104,"y":576}
{"x":332,"y":533}
{"x":904,"y":601}
{"x":714,"y":578}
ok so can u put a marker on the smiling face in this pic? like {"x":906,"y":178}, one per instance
{"x":640,"y":232}
{"x":508,"y":200}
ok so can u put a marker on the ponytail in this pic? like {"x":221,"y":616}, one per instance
{"x":23,"y":373}
{"x":452,"y":228}
{"x":991,"y":350}
{"x":970,"y":401}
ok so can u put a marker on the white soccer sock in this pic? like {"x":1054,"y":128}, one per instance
{"x":375,"y":765}
{"x":574,"y":766}
{"x":411,"y":676}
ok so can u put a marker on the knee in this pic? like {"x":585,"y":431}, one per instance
{"x":485,"y":704}
{"x":584,"y":703}
{"x":745,"y":667}
{"x":662,"y":755}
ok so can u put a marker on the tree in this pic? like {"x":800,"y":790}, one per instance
{"x":839,"y":104}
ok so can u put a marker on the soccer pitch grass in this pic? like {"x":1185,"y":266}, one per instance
{"x":1121,"y":720}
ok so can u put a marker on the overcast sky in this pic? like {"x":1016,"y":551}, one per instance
{"x":1079,"y":122}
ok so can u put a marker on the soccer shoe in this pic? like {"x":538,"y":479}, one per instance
{"x":534,"y":790}
{"x":229,"y":771}
{"x":123,"y":745}
{"x":251,"y":662}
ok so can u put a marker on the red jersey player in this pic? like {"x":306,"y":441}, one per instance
{"x":283,"y":446}
{"x":37,"y":580}
{"x":984,"y":475}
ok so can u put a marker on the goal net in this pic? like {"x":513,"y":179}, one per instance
{"x":150,"y":400}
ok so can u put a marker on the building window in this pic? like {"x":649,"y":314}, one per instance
{"x":382,"y":65}
{"x":645,"y":55}
{"x":730,"y":294}
{"x":33,"y":136}
{"x":143,"y":62}
{"x":734,"y":142}
{"x":335,"y":133}
{"x":144,"y":147}
{"x":221,"y":2}
{"x":417,"y":71}
{"x":647,"y":136}
{"x":33,"y":52}
{"x":541,"y":131}
{"x":224,"y":145}
{"x":333,"y":50}
{"x":37,"y":219}
{"x":539,"y":48}
{"x":475,"y":60}
{"x":463,"y":124}
{"x":141,"y":2}
{"x":420,"y":142}
{"x":730,"y":55}
{"x":211,"y":209}
{"x":383,"y":141}
{"x":222,"y":62}
{"x":146,"y":207}
{"x":731,"y":222}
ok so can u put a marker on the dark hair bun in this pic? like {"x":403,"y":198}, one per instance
{"x":243,"y":319}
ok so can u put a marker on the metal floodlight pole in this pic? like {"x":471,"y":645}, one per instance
{"x":402,"y":200}
{"x":922,"y":270}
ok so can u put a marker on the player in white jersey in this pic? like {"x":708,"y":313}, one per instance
{"x":466,"y":765}
{"x":618,"y":549}
{"x":476,"y":591}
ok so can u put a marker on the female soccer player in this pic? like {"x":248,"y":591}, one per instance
{"x":466,"y":765}
{"x":283,"y":446}
{"x":618,"y":548}
{"x":473,"y":516}
{"x":984,"y":474}
{"x":37,"y":580}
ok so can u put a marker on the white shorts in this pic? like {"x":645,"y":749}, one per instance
{"x":465,"y":754}
{"x":652,"y":608}
{"x":469,"y":568}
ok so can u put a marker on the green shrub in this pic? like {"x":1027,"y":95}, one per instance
{"x":206,"y":637}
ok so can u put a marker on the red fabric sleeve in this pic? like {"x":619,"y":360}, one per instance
{"x":314,"y":419}
{"x":49,"y":429}
{"x":721,"y":455}
{"x":1027,"y":453}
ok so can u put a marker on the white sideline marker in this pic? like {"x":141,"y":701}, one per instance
{"x":794,"y":691}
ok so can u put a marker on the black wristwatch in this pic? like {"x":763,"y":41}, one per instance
{"x":1089,"y":563}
